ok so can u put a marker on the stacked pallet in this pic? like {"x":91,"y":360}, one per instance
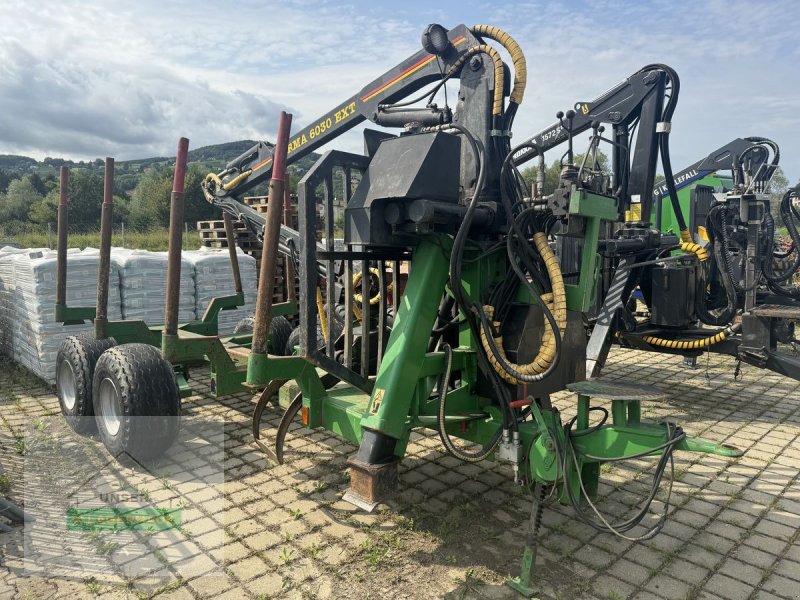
{"x":30,"y":333}
{"x":290,"y":219}
{"x":143,"y":285}
{"x":212,"y":235}
{"x":213,"y":278}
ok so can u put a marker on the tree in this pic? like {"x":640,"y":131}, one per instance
{"x":149,"y":206}
{"x":37,"y":183}
{"x":777,"y":188}
{"x":5,"y":179}
{"x":85,"y":197}
{"x":150,"y":201}
{"x":197,"y":208}
{"x":17,"y":200}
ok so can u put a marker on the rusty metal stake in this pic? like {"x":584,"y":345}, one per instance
{"x":104,"y":271}
{"x":269,"y":255}
{"x":61,"y":242}
{"x":237,"y":277}
{"x":176,"y":212}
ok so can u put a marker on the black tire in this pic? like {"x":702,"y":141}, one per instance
{"x":294,"y":340}
{"x":279,"y":331}
{"x":75,"y":365}
{"x":246,"y":325}
{"x":137,"y":403}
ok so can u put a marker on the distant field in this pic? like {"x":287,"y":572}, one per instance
{"x":155,"y":240}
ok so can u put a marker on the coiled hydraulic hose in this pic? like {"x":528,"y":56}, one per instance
{"x":718,"y":337}
{"x":517,"y":58}
{"x":556,"y":302}
{"x":499,"y":78}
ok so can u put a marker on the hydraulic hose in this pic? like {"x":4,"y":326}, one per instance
{"x":663,"y":140}
{"x":712,"y":316}
{"x":323,"y":316}
{"x":788,"y":220}
{"x":457,"y":286}
{"x":517,"y":58}
{"x":471,"y":457}
{"x":556,"y":302}
{"x":497,"y":105}
{"x":718,"y":337}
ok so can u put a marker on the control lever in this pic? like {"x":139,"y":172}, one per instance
{"x":570,"y":115}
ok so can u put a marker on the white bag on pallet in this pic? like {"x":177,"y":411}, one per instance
{"x":34,"y":337}
{"x":214,"y":277}
{"x":143,"y":285}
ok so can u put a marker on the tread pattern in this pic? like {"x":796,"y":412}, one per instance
{"x":279,"y":331}
{"x":151,"y":404}
{"x":82,"y":353}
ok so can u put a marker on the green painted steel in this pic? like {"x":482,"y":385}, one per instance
{"x":396,"y":382}
{"x":594,"y":208}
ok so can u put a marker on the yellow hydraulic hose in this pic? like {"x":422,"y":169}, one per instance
{"x":323,"y":318}
{"x":357,"y":279}
{"x":517,"y":57}
{"x":497,"y":106}
{"x":693,"y":344}
{"x":556,"y":302}
{"x":696,"y":249}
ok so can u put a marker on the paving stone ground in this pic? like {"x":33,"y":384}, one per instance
{"x":454,"y":530}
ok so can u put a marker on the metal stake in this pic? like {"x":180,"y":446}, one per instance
{"x":269,"y":256}
{"x":175,"y":240}
{"x":63,"y":218}
{"x":104,"y":271}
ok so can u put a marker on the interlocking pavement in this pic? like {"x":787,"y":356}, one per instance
{"x":454,"y":530}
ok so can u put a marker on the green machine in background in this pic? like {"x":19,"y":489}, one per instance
{"x":696,"y":184}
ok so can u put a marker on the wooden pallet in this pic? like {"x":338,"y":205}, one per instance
{"x":220,"y":226}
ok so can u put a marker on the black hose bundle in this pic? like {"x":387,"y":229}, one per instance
{"x":716,"y":219}
{"x":788,"y":212}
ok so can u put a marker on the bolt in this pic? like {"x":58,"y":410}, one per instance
{"x":475,"y":63}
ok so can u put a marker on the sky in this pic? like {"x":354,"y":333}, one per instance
{"x":84,"y":79}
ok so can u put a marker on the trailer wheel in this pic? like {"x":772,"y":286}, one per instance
{"x":137,"y":405}
{"x":75,"y":365}
{"x":279,"y":331}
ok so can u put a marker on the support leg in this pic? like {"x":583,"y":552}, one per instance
{"x":522,"y":583}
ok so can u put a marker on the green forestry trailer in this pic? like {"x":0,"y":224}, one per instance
{"x":491,"y":320}
{"x":508,"y":300}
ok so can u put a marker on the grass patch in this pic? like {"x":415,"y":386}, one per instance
{"x":156,"y":240}
{"x":5,"y":483}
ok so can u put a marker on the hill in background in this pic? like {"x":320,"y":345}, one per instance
{"x":211,"y":158}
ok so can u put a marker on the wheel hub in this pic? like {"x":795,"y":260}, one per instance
{"x":66,"y":385}
{"x":110,"y":406}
